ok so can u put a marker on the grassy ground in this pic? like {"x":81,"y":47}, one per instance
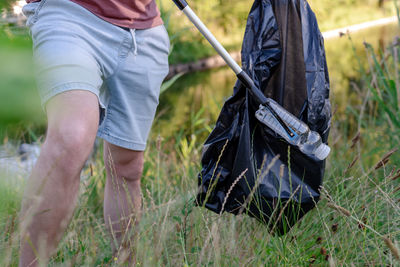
{"x":355,"y":224}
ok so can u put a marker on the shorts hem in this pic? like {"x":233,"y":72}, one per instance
{"x":120,"y":142}
{"x":72,"y":86}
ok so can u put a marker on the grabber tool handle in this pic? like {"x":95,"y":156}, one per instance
{"x":242,"y":76}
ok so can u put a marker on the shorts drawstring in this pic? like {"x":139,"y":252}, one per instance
{"x":133,"y":33}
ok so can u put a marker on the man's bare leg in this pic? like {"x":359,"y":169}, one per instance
{"x":52,"y":189}
{"x":122,"y":199}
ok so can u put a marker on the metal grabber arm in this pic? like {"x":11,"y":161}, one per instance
{"x":240,"y":74}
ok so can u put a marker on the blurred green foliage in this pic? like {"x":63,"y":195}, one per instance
{"x":340,"y":13}
{"x":6,"y":4}
{"x":19,"y":102}
{"x":227,"y":20}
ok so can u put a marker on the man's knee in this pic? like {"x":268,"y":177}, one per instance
{"x":71,"y":144}
{"x":73,"y":119}
{"x":74,"y":139}
{"x":123,"y":163}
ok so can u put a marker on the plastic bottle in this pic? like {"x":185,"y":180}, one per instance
{"x":293,"y":130}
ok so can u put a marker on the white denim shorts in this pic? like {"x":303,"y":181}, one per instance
{"x":73,"y":49}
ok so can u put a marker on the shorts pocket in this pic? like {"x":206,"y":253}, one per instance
{"x":31,"y":12}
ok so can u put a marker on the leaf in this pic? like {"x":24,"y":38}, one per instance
{"x":166,"y":85}
{"x":393,"y":94}
{"x":177,"y":219}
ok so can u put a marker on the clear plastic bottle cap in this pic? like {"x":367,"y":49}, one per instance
{"x":322,"y":151}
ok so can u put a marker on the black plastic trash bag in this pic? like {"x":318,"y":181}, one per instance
{"x":246,"y":168}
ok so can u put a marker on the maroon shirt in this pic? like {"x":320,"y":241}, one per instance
{"x":135,"y":14}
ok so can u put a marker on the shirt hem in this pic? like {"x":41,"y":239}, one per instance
{"x":139,"y":25}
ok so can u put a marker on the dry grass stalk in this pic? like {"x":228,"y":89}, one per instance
{"x":385,"y":159}
{"x":392,"y":247}
{"x":214,"y":181}
{"x":339,"y":209}
{"x":219,"y":157}
{"x":395,"y":176}
{"x":335,"y":109}
{"x":216,"y":243}
{"x":204,"y":248}
{"x":91,"y":169}
{"x":351,"y":165}
{"x":380,"y":164}
{"x":355,"y":140}
{"x":159,"y":141}
{"x":231,"y":188}
{"x":153,"y":204}
{"x":281,"y":171}
{"x":392,"y":172}
{"x":396,"y":190}
{"x":331,"y":262}
{"x":163,"y":227}
{"x":324,"y":194}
